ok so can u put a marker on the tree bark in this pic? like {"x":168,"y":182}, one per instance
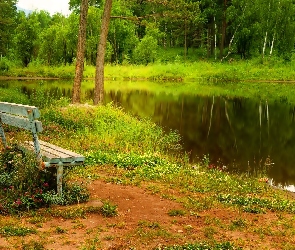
{"x":223,"y":31}
{"x":99,"y":73}
{"x":76,"y":95}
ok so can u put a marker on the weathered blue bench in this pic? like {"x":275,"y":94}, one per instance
{"x":48,"y":155}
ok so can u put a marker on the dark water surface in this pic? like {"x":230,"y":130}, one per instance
{"x":243,"y":135}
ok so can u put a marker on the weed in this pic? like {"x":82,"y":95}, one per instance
{"x":16,"y":231}
{"x":149,"y":224}
{"x":238,"y":223}
{"x":108,"y":209}
{"x":60,"y":230}
{"x":189,"y":228}
{"x":209,"y":232}
{"x":109,"y":237}
{"x":257,"y":205}
{"x":33,"y":245}
{"x":176,"y":212}
{"x":36,"y":219}
{"x":92,"y":244}
{"x":154,"y":189}
{"x":201,"y":246}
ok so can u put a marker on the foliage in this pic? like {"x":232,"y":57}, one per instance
{"x":234,"y":29}
{"x":146,"y":51}
{"x":256,"y":205}
{"x":13,"y":95}
{"x":24,"y":187}
{"x":176,"y":212}
{"x":116,"y":131}
{"x":201,"y":246}
{"x":16,"y":231}
{"x":7,"y":21}
{"x":4,"y":64}
{"x":108,"y":209}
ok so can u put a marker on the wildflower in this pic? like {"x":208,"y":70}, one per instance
{"x":45,"y":184}
{"x":18,"y":202}
{"x":264,"y":179}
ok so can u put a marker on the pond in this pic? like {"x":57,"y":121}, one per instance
{"x":240,"y":134}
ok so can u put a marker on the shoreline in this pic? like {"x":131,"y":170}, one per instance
{"x":164,"y":79}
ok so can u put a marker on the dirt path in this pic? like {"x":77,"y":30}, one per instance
{"x":143,"y":222}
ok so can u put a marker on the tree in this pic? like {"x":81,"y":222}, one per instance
{"x":76,"y":96}
{"x":26,"y":38}
{"x":93,"y":31}
{"x":7,"y":23}
{"x":99,"y":73}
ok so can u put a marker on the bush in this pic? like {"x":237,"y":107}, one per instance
{"x":108,"y":209}
{"x":23,"y":186}
{"x":146,"y":51}
{"x":4,"y":65}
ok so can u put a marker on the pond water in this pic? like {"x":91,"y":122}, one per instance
{"x":241,"y":134}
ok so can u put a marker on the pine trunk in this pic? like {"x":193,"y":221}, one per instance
{"x":99,"y":74}
{"x":76,"y":96}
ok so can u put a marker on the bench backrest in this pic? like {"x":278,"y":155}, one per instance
{"x":21,"y":116}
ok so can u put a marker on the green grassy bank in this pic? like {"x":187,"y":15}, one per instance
{"x":273,"y":69}
{"x":123,"y":150}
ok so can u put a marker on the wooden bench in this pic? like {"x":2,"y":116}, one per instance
{"x":48,"y":155}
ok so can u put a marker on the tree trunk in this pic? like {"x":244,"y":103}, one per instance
{"x":272,"y":44}
{"x":264,"y":44}
{"x":185,"y":39}
{"x":76,"y":96}
{"x":223,"y":32}
{"x":99,"y":73}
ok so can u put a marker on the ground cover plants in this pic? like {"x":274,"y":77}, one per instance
{"x":271,"y":69}
{"x":150,"y":195}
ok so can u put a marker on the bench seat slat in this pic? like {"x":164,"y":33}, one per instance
{"x":20,"y":122}
{"x":55,"y":154}
{"x":49,"y":145}
{"x":19,"y":109}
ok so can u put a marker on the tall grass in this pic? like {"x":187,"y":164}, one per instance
{"x":269,"y":69}
{"x":108,"y":129}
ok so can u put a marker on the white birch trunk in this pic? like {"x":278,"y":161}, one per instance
{"x":230,"y":44}
{"x":272,"y":44}
{"x":264,"y":45}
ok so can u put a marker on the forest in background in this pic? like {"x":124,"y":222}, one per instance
{"x":145,"y":31}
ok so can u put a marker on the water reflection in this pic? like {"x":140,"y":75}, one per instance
{"x":245,"y":135}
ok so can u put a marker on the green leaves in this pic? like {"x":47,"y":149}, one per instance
{"x":7,"y":24}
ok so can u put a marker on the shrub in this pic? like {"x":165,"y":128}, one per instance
{"x":146,"y":51}
{"x":4,"y":65}
{"x":23,"y":186}
{"x":108,"y":209}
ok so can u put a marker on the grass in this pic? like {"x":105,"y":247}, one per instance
{"x":10,"y":230}
{"x":271,"y":69}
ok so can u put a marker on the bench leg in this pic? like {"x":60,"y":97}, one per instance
{"x":59,"y":178}
{"x":2,"y":135}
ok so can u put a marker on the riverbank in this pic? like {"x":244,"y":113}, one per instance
{"x":162,"y":200}
{"x":252,"y":70}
